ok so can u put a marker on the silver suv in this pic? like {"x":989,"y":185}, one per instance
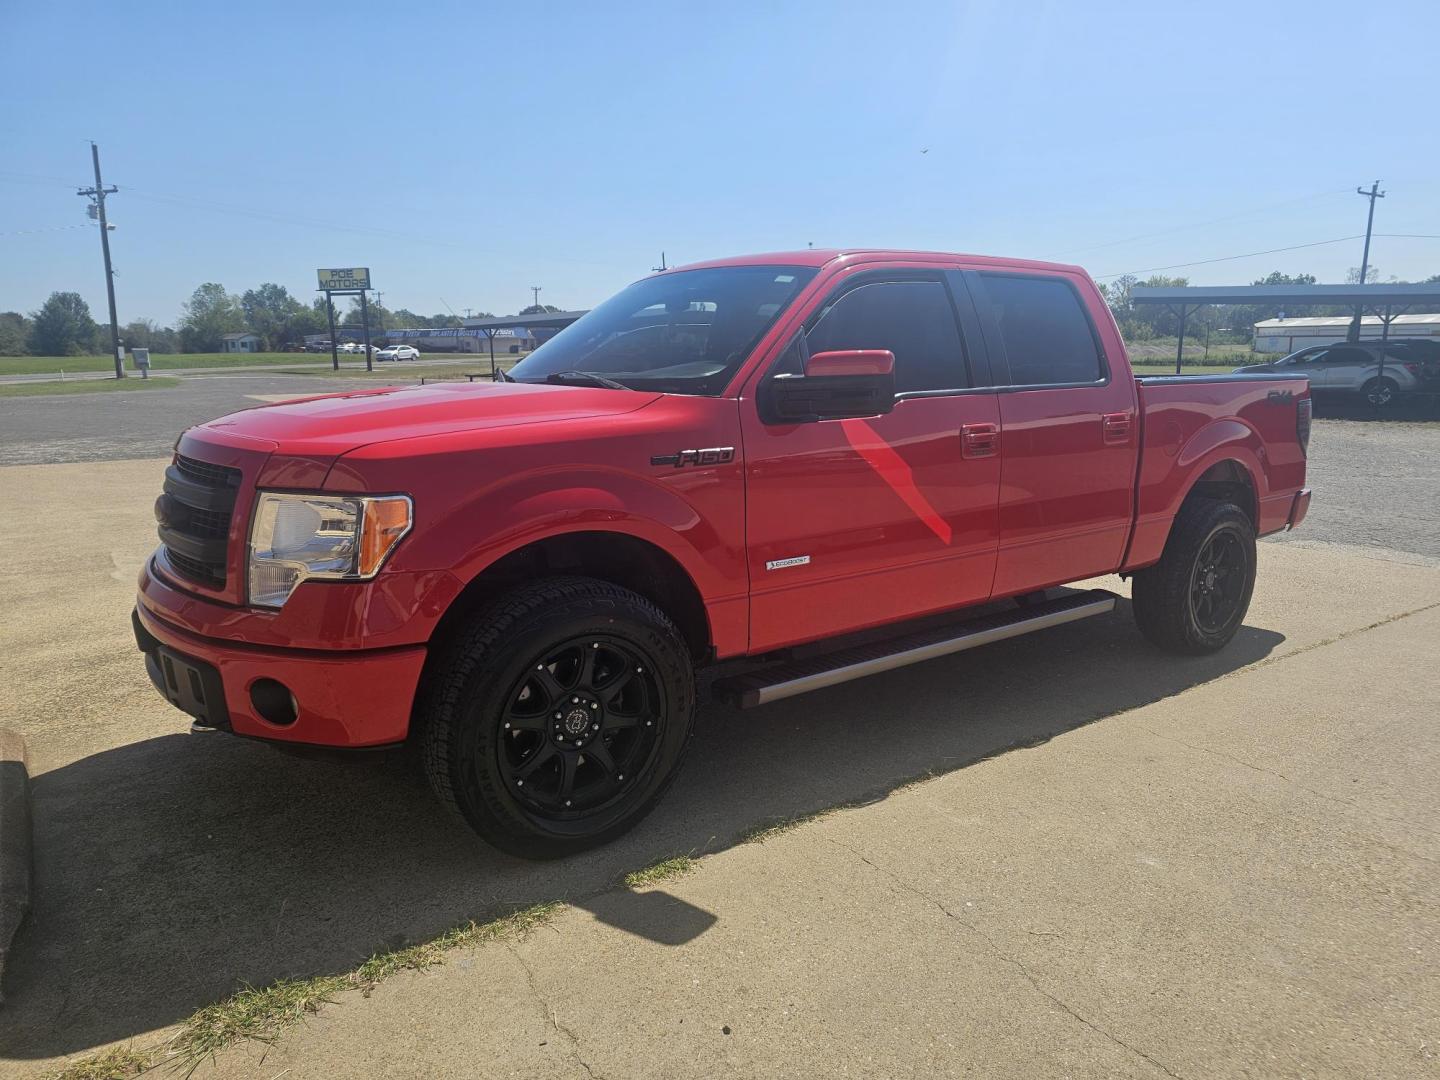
{"x":1377,"y":372}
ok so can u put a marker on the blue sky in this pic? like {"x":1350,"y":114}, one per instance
{"x":467,"y":151}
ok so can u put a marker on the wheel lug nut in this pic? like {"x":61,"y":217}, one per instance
{"x":594,"y":704}
{"x":567,"y":802}
{"x":574,"y":701}
{"x":507,"y":727}
{"x":593,"y":645}
{"x":639,"y":669}
{"x":557,"y":716}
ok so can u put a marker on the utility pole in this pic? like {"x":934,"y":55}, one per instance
{"x":535,"y":293}
{"x":97,"y":196}
{"x":662,"y":267}
{"x":1373,"y":194}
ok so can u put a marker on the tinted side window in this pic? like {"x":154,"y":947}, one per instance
{"x":913,"y":319}
{"x":1046,"y":335}
{"x":1346,"y":356}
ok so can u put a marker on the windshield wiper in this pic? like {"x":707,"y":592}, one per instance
{"x":594,"y":379}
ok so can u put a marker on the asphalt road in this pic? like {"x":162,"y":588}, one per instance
{"x":141,"y":423}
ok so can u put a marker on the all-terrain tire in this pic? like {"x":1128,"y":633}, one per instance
{"x":1173,"y":604}
{"x":490,"y":666}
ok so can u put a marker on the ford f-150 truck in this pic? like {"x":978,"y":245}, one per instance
{"x":824,"y":464}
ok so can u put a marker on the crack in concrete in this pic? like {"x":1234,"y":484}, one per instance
{"x":999,"y":954}
{"x":1303,"y":787}
{"x":1303,"y":649}
{"x":549,"y":1011}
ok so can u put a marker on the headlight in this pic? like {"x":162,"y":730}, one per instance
{"x":329,"y":537}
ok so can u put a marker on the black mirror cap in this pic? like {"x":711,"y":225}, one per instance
{"x":801,"y":399}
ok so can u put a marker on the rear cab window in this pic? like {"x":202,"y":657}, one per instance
{"x":1044,"y":334}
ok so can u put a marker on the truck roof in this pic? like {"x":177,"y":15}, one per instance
{"x":818,"y":257}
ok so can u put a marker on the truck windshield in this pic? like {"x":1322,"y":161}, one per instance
{"x":682,"y":333}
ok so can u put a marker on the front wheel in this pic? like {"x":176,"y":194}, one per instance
{"x":558,"y":717}
{"x":1380,"y":391}
{"x":1195,"y":598}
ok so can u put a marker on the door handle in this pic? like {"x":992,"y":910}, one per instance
{"x":1116,"y":428}
{"x":979,"y":440}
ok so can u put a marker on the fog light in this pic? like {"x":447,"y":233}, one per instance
{"x":274,"y":702}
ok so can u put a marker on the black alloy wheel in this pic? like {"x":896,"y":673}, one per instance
{"x":581,"y":725}
{"x":1218,"y":583}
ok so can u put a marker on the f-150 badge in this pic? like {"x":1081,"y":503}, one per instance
{"x":715,"y":455}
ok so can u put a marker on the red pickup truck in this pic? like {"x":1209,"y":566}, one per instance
{"x":827,"y":463}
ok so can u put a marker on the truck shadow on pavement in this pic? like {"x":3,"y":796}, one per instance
{"x":173,"y":871}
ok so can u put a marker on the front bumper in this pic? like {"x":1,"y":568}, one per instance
{"x":352,"y":699}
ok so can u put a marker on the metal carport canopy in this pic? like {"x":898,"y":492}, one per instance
{"x":1367,"y":295}
{"x":549,"y":320}
{"x":1382,"y":299}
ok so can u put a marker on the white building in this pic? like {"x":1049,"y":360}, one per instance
{"x":240,"y":343}
{"x":1290,"y":335}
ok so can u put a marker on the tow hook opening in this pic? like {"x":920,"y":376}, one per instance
{"x":274,"y":702}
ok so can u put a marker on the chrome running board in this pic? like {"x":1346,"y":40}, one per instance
{"x":775,"y":684}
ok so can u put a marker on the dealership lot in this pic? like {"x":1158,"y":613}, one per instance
{"x":1202,"y":867}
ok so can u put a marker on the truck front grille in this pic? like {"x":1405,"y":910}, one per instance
{"x":194,"y":518}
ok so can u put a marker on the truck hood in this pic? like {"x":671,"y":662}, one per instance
{"x":328,"y":426}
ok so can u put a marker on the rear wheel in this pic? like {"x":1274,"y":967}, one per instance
{"x":1195,"y":598}
{"x":558,"y":717}
{"x":1380,"y":391}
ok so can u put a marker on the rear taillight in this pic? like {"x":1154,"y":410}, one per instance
{"x":1413,"y":368}
{"x":1302,"y":424}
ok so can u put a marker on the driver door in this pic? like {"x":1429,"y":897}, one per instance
{"x":853,"y":523}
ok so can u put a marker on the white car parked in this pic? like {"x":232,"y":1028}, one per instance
{"x":398,"y":352}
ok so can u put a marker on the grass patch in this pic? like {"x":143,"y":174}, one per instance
{"x":264,"y":1014}
{"x":771,"y":829}
{"x":85,"y":386}
{"x":117,"y":1063}
{"x":664,"y":870}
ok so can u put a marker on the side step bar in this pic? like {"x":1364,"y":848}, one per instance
{"x":774,"y":684}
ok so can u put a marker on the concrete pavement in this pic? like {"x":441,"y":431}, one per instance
{"x":1238,"y":881}
{"x":1216,"y":866}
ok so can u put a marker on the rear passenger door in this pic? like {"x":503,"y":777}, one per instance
{"x":1067,"y":431}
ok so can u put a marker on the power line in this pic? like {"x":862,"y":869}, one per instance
{"x":1203,"y":224}
{"x":1229,"y":258}
{"x":48,"y":229}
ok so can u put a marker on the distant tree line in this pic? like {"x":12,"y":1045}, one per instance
{"x":64,"y":326}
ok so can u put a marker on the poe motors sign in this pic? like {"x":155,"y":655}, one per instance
{"x":345,"y":279}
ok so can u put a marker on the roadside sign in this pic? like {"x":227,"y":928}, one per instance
{"x":352,"y":277}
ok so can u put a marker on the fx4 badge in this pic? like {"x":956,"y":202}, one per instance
{"x":715,"y":455}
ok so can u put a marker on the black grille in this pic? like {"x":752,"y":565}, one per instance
{"x":195,"y":570}
{"x":205,"y":473}
{"x":194,"y":516}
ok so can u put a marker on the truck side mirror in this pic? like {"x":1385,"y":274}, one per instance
{"x":836,"y":385}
